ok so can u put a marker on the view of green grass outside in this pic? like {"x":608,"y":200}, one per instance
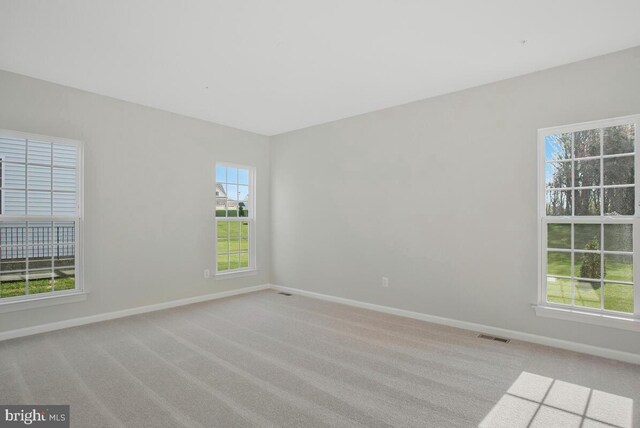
{"x":617,"y":267}
{"x":36,"y":286}
{"x":233,"y":245}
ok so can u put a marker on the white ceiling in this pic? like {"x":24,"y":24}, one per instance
{"x":279,"y":65}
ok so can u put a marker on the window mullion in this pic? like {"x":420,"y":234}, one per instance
{"x":602,"y":215}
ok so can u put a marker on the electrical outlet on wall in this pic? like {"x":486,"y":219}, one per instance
{"x":385,"y":281}
{"x":207,"y":273}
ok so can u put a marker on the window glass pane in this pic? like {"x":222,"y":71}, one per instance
{"x":244,"y":260}
{"x":13,"y":234}
{"x":244,"y":243}
{"x":64,"y":259}
{"x":223,"y":229}
{"x":12,"y":150}
{"x":39,"y":177}
{"x":223,"y":245}
{"x":243,"y":176}
{"x":221,"y":174}
{"x":232,"y":175}
{"x":235,"y":228}
{"x":12,"y":260}
{"x":558,"y":174}
{"x":618,"y":267}
{"x":40,"y":281}
{"x":245,"y":229}
{"x":587,"y":265}
{"x":586,"y":236}
{"x":618,"y":237}
{"x":64,"y":278}
{"x":65,"y":155}
{"x":586,"y":143}
{"x":234,"y":245}
{"x":243,"y":201}
{"x":64,"y":233}
{"x":587,"y":293}
{"x":619,"y":201}
{"x":221,"y":200}
{"x":559,"y":290}
{"x":587,"y":202}
{"x":13,"y":284}
{"x":40,"y":233}
{"x":559,"y":235}
{"x":557,"y":147}
{"x":223,"y":262}
{"x":559,"y":263}
{"x":618,"y":139}
{"x":558,"y":202}
{"x":15,"y":202}
{"x":618,"y":297}
{"x":618,"y":170}
{"x":40,"y":257}
{"x":38,"y":203}
{"x":64,"y":204}
{"x":234,"y":261}
{"x":39,"y":152}
{"x":232,"y":200}
{"x":64,"y":256}
{"x":587,"y":173}
{"x":243,"y":209}
{"x":64,"y":179}
{"x":14,"y":175}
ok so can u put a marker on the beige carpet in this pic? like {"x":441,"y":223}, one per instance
{"x":265,"y":359}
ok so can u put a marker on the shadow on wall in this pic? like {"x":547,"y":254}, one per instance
{"x":539,"y":401}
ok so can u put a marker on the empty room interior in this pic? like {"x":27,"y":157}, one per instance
{"x":380,"y":213}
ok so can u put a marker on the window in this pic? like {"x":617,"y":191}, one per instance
{"x":40,"y":219}
{"x":588,"y":218}
{"x":235,"y":218}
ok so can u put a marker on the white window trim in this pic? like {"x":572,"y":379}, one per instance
{"x":585,"y":314}
{"x":2,"y":183}
{"x":10,"y":304}
{"x":253,"y":257}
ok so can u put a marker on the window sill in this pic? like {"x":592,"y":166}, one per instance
{"x":573,"y":314}
{"x":19,"y":304}
{"x":236,"y":274}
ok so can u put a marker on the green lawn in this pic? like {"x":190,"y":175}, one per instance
{"x":233,"y":245}
{"x":617,"y":237}
{"x":617,"y":297}
{"x":617,"y":267}
{"x":36,"y":286}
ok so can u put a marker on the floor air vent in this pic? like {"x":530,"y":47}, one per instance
{"x":284,"y":294}
{"x":498,"y":339}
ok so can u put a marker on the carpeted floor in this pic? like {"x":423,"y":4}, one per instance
{"x":264,"y":359}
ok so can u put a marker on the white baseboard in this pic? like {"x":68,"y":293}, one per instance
{"x":494,"y":331}
{"x":43,"y":328}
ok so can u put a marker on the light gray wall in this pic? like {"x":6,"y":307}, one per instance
{"x":149,"y":198}
{"x":440,"y":196}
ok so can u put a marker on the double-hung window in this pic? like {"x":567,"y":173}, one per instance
{"x":40,"y":216}
{"x":589,"y":220}
{"x":235,"y":218}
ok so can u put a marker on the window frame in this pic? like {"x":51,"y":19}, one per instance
{"x":78,"y":293}
{"x":2,"y":168}
{"x":251,"y":219}
{"x":600,"y":315}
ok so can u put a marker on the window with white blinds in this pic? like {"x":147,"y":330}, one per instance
{"x":40,"y":192}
